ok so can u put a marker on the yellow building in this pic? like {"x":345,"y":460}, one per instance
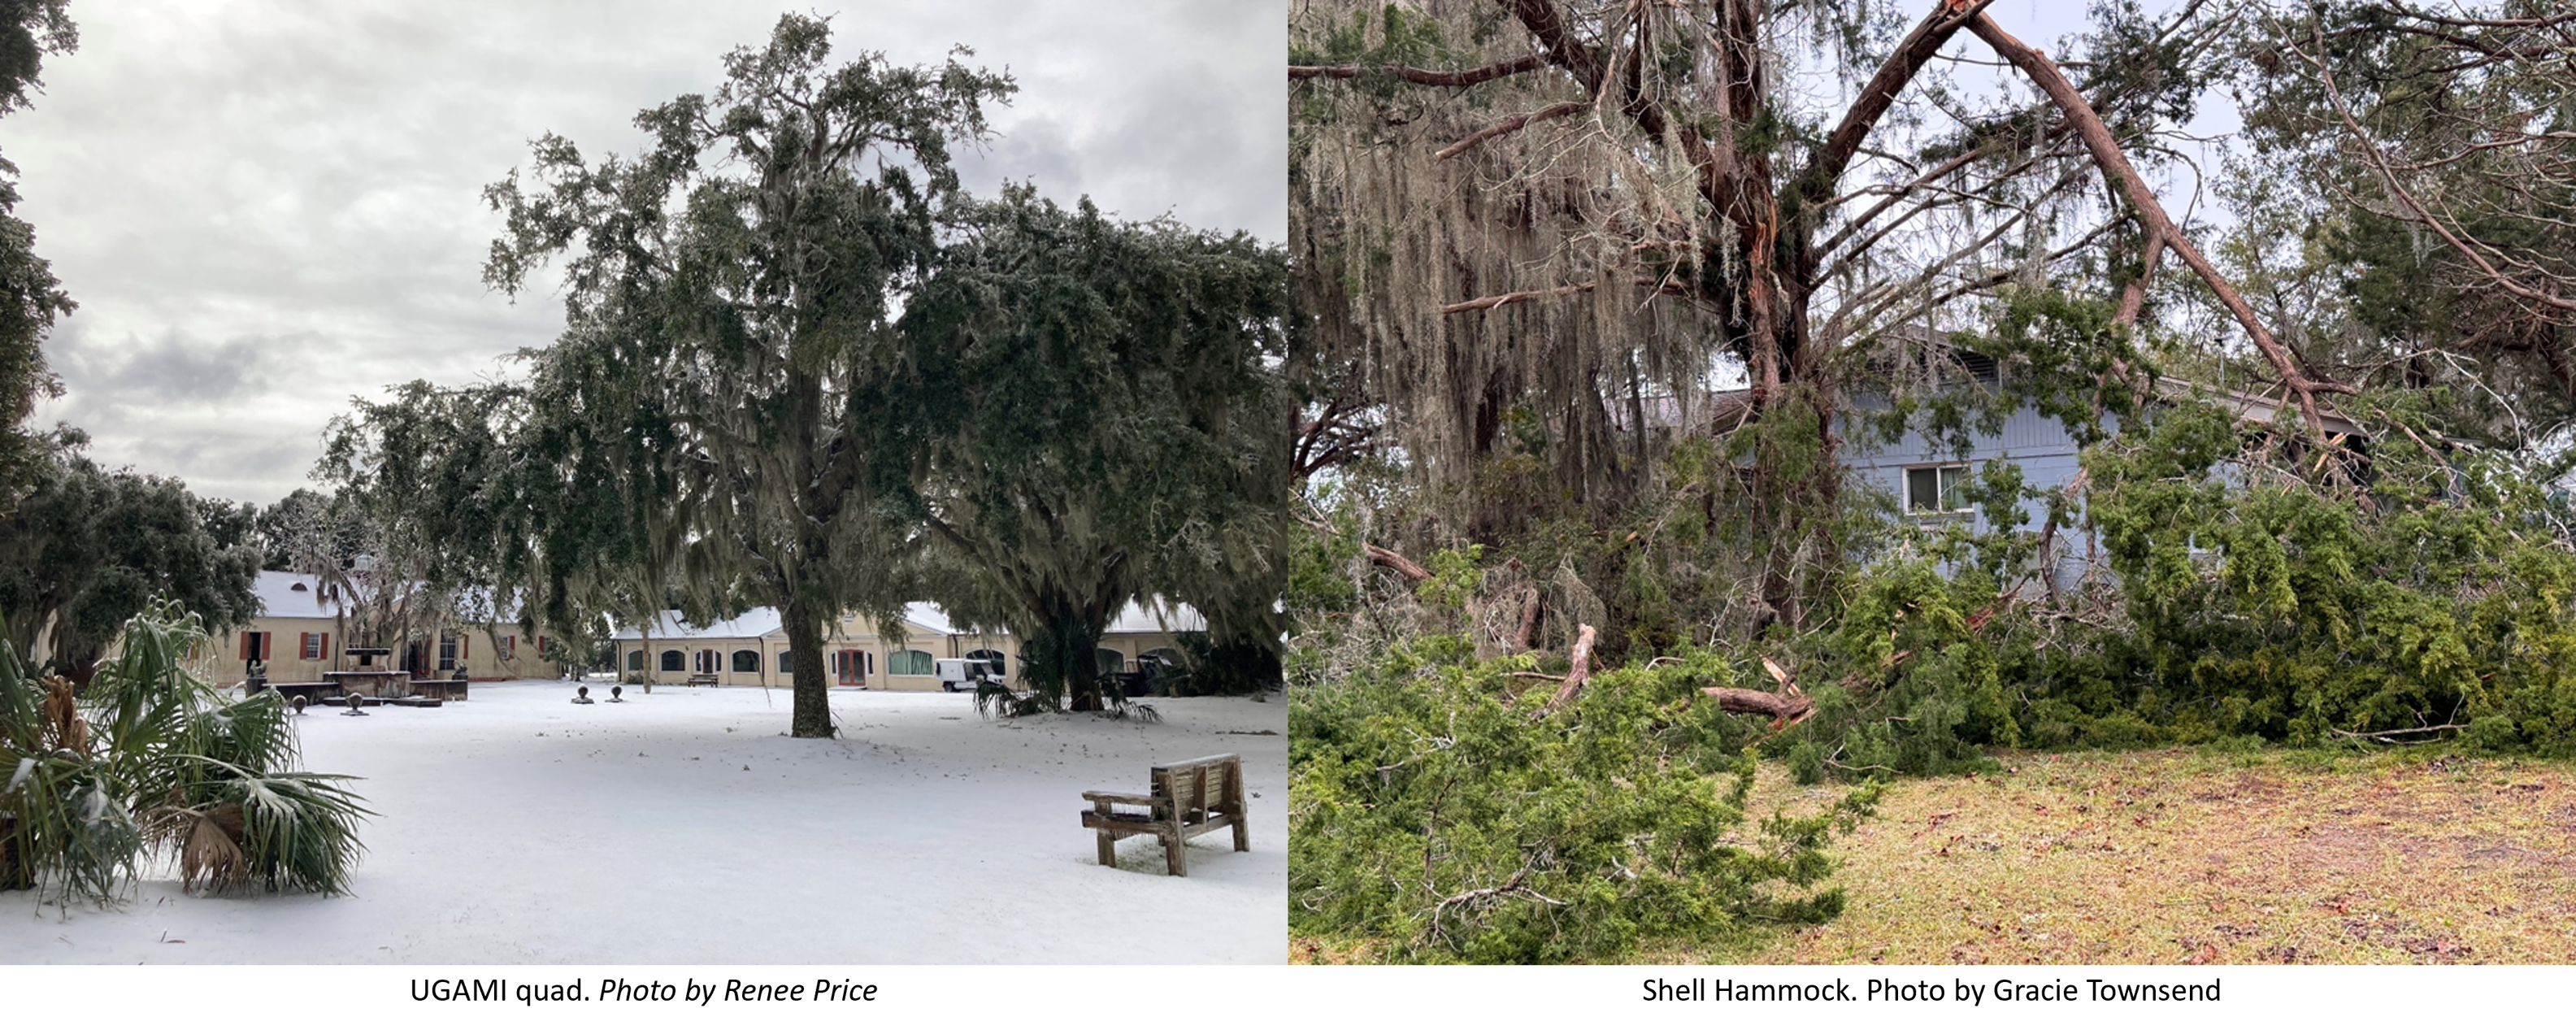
{"x":751,"y":649}
{"x":299,"y":635}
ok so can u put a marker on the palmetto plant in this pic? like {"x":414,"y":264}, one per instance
{"x":153,"y":764}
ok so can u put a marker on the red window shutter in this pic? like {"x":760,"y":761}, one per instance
{"x":464,"y":647}
{"x":326,"y":647}
{"x":245,"y":645}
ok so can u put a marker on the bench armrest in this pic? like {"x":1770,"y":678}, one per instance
{"x":1113,"y":797}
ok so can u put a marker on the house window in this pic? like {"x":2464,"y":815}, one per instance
{"x":634,"y":661}
{"x":787,"y":663}
{"x":310,"y":645}
{"x":1936,"y":489}
{"x":673,"y":661}
{"x":707,"y":662}
{"x":1111,"y":661}
{"x":254,"y":646}
{"x":507,"y":646}
{"x":447,"y":648}
{"x":850,"y":667}
{"x":543,"y":645}
{"x":991,"y":658}
{"x":909,"y":663}
{"x":746,"y":661}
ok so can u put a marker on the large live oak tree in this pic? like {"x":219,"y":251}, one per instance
{"x":728,"y":297}
{"x":1100,"y":420}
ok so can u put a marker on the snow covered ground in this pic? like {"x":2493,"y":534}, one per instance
{"x":685,"y":827}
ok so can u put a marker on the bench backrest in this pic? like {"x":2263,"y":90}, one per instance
{"x":1200,"y":783}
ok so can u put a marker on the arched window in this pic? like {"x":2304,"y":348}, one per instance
{"x":746,"y":661}
{"x":991,"y":656}
{"x":787,"y":663}
{"x":1112,"y":661}
{"x":634,"y":661}
{"x":674,"y":661}
{"x":910,"y":663}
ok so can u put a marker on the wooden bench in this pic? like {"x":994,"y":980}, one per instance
{"x":702,"y":679}
{"x":1189,"y":798}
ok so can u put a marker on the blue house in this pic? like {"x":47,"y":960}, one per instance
{"x":1924,"y":474}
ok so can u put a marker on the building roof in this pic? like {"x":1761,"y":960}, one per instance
{"x":924,"y":617}
{"x":757,"y":622}
{"x":1160,"y":617}
{"x":290,"y":595}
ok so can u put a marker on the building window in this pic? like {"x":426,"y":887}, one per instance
{"x":1112,"y":661}
{"x":634,"y":661}
{"x":707,"y":661}
{"x":507,"y":646}
{"x":312,"y":645}
{"x":850,"y":667}
{"x":787,"y":663}
{"x":673,"y":661}
{"x":746,"y":661}
{"x":543,"y":645}
{"x":447,"y":649}
{"x":910,"y":663}
{"x":254,"y":646}
{"x":1936,"y":490}
{"x":992,"y":658}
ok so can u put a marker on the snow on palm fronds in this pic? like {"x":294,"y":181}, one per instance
{"x":213,"y":779}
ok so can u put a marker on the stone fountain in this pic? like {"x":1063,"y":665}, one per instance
{"x":370,"y":679}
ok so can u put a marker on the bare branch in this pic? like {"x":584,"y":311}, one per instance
{"x":1421,"y":76}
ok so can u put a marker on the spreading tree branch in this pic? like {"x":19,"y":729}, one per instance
{"x":2125,"y":179}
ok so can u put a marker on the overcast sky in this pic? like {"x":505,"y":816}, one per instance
{"x":264,"y":208}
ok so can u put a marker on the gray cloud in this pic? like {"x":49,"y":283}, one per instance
{"x":267,"y":208}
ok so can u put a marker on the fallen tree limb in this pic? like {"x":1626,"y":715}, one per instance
{"x":1785,"y":710}
{"x":1579,"y":671}
{"x":1402,"y":565}
{"x":2388,"y":736}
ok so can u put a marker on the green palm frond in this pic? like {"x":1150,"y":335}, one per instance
{"x":217,"y":775}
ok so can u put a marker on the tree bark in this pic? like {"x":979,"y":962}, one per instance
{"x":809,"y":687}
{"x":1529,"y":621}
{"x":1784,"y":709}
{"x":1576,"y":673}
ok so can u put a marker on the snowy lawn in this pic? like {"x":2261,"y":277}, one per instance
{"x":685,"y":827}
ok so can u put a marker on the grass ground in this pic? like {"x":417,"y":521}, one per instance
{"x":2195,"y":857}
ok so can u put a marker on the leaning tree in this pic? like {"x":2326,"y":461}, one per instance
{"x":1537,"y":227}
{"x":729,"y":299}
